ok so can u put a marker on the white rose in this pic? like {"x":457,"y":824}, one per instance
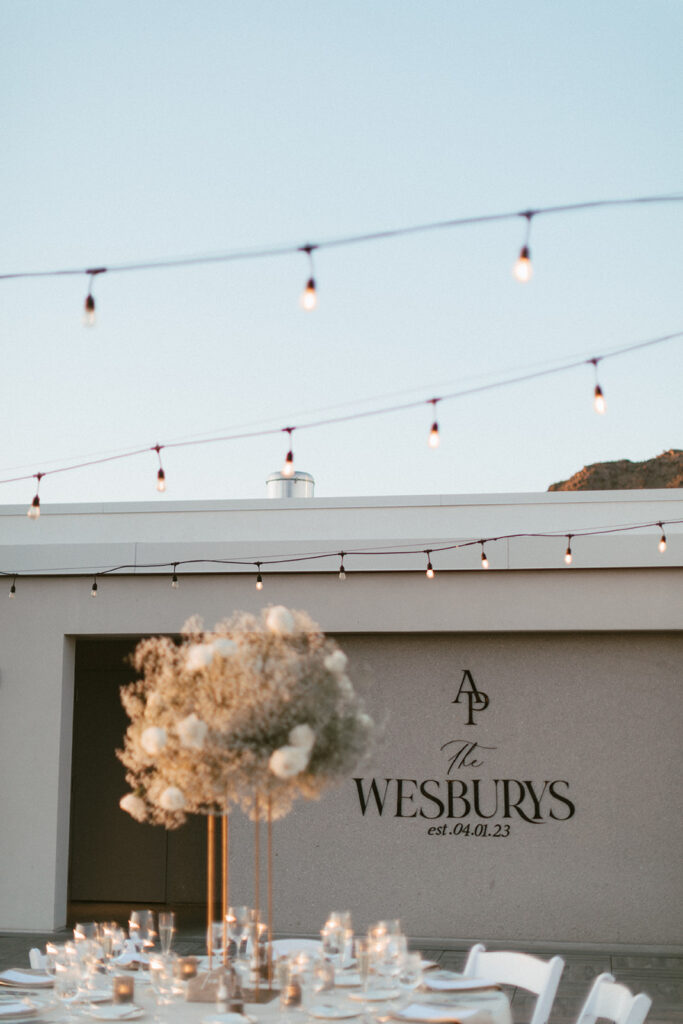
{"x":288,"y":761}
{"x":192,"y":732}
{"x":134,"y":806}
{"x":365,"y":721}
{"x":302,"y":736}
{"x":198,"y":657}
{"x":280,"y":620}
{"x":224,"y":647}
{"x":336,"y":662}
{"x":153,"y":740}
{"x":172,"y":799}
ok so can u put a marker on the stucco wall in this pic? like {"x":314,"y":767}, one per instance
{"x":598,"y":711}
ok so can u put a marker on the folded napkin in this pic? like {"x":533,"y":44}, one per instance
{"x":432,"y":1014}
{"x":25,"y":977}
{"x":36,"y":959}
{"x":131,"y":958}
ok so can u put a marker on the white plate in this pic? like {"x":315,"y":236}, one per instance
{"x":376,"y":995}
{"x":422,"y":1014}
{"x":17,"y":1010}
{"x":448,"y":981}
{"x":327,"y":1011}
{"x":225,"y":1018}
{"x":115,"y":1011}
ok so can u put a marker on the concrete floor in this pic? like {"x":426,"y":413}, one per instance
{"x":660,"y":976}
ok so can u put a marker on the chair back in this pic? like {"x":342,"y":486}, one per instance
{"x":521,"y":970}
{"x":614,"y":1002}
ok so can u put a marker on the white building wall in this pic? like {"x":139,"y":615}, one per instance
{"x":618,"y":583}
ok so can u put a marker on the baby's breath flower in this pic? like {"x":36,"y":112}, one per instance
{"x":192,"y":732}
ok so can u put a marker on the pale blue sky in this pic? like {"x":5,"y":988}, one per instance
{"x":139,"y":130}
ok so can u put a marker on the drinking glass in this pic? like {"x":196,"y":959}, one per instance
{"x":363,"y":955}
{"x":67,"y":983}
{"x":238,"y":920}
{"x":333,"y":935}
{"x":409,"y":975}
{"x":162,"y":977}
{"x":214,"y":938}
{"x":166,"y":930}
{"x":141,"y":928}
{"x":86,"y":930}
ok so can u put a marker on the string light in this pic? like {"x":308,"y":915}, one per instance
{"x":259,"y":577}
{"x":161,"y":476}
{"x":34,"y":507}
{"x":662,"y":540}
{"x":523,"y":270}
{"x":93,"y":589}
{"x":13,"y":589}
{"x":430,"y":568}
{"x":174,"y":578}
{"x":484,"y":559}
{"x":519,"y":378}
{"x":89,"y":305}
{"x":599,"y":403}
{"x":309,"y":297}
{"x":434,"y":432}
{"x":288,"y":468}
{"x":568,"y":553}
{"x":342,"y":570}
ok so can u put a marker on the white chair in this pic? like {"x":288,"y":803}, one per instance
{"x":615,"y":1002}
{"x":539,"y":976}
{"x":283,"y":947}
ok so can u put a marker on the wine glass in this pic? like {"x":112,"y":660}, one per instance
{"x":409,"y":975}
{"x":363,"y":956}
{"x":87,"y":930}
{"x":67,"y":983}
{"x":238,"y":920}
{"x":214,"y":937}
{"x":166,"y":930}
{"x":141,"y":928}
{"x":162,"y":977}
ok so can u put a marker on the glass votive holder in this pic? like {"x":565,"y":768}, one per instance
{"x":185,"y":968}
{"x":122,"y":989}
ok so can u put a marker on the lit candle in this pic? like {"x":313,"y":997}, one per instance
{"x":186,"y":968}
{"x":123,"y":989}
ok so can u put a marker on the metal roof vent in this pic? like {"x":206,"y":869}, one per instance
{"x":298,"y":486}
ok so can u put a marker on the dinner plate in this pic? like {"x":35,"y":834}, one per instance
{"x":114,"y":1011}
{"x":25,"y":977}
{"x":328,"y":1011}
{"x":17,"y":1009}
{"x":420,"y":1013}
{"x":375,"y":995}
{"x":448,"y":981}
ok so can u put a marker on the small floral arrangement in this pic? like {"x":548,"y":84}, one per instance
{"x":256,"y":713}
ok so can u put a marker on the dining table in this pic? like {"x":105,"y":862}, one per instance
{"x":444,"y":997}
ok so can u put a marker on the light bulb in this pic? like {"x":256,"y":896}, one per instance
{"x":434,"y":435}
{"x":288,"y":468}
{"x":89,"y":311}
{"x":342,"y":572}
{"x":12,"y":591}
{"x":34,"y":508}
{"x":523,"y":270}
{"x":484,"y":560}
{"x":259,"y":582}
{"x":430,"y":570}
{"x":174,"y":580}
{"x":662,"y":543}
{"x":309,"y":296}
{"x":568,"y":555}
{"x":161,"y":480}
{"x":93,"y":590}
{"x":599,"y":403}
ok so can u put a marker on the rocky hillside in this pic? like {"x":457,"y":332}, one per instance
{"x":666,"y":470}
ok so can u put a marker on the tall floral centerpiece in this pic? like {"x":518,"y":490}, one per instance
{"x":255,"y":713}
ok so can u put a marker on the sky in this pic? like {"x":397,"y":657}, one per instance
{"x":136,"y":131}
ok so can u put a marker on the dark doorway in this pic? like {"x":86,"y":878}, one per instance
{"x":113,"y":859}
